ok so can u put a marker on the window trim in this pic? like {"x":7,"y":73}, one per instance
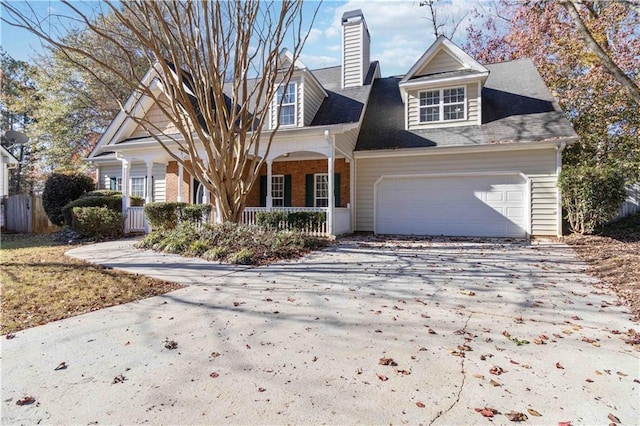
{"x":294,"y":104}
{"x":273,"y":198}
{"x":315,"y":189}
{"x":441,"y":104}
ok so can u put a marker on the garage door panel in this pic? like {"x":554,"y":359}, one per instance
{"x":491,"y":206}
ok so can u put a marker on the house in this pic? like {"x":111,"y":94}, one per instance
{"x":451,"y":148}
{"x":7,"y":161}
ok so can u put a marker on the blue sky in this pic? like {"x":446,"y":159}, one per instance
{"x":399,"y":30}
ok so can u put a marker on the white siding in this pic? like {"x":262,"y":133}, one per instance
{"x":137,"y":170}
{"x":312,"y":98}
{"x":352,"y":53}
{"x":473,"y":108}
{"x":441,"y":62}
{"x":539,"y":165}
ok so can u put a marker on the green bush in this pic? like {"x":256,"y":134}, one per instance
{"x":102,"y":193}
{"x":298,"y":221}
{"x":230,"y":242}
{"x":194,"y":213}
{"x":113,"y":203}
{"x":591,"y":195}
{"x":60,"y":190}
{"x":97,"y":222}
{"x":163,"y":215}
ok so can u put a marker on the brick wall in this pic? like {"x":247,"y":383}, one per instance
{"x":172,"y":183}
{"x":298,"y":171}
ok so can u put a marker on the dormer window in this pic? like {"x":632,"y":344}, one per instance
{"x":442,"y":105}
{"x":287,"y":101}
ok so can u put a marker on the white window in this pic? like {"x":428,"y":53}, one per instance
{"x":286,"y":100}
{"x":138,"y":187}
{"x":321,"y":193}
{"x":277,"y":190}
{"x":442,"y":105}
{"x":116,"y":184}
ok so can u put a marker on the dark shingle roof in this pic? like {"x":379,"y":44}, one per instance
{"x":516,"y":107}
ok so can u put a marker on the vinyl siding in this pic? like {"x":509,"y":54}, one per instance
{"x":137,"y":170}
{"x":352,"y":72}
{"x":312,"y":98}
{"x":539,"y":165}
{"x":159,"y":120}
{"x":441,"y":62}
{"x":273,"y":120}
{"x":473,"y":107}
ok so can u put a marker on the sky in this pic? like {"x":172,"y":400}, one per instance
{"x":400,"y":32}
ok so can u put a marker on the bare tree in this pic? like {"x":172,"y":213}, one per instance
{"x":218,"y":66}
{"x":445,"y":24}
{"x":573,"y":8}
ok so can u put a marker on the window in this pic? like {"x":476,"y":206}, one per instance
{"x":321,"y":193}
{"x":442,"y":105}
{"x":277,"y":190}
{"x":115,"y":184}
{"x":286,"y":99}
{"x":138,"y":187}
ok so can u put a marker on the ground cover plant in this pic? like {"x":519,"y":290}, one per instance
{"x":232,"y":243}
{"x":40,"y":284}
{"x":612,"y":254}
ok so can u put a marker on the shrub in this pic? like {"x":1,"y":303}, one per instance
{"x":198,"y":248}
{"x":97,"y":222}
{"x":591,"y":195}
{"x":216,"y":253}
{"x":113,"y":203}
{"x":244,"y":256}
{"x":194,"y":213}
{"x":60,"y":190}
{"x":298,"y":221}
{"x":163,"y":215}
{"x":102,"y":193}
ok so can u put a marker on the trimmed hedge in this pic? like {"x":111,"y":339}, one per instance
{"x":112,"y":202}
{"x":97,"y":222}
{"x":591,"y":196}
{"x":298,"y":221}
{"x":168,"y":215}
{"x":60,"y":190}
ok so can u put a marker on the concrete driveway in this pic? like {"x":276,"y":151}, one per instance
{"x":305,"y":342}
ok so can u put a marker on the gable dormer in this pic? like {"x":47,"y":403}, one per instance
{"x":443,"y":88}
{"x":298,"y":101}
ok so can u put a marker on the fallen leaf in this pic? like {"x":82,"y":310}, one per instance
{"x":261,"y":389}
{"x":478,"y":376}
{"x":559,"y":366}
{"x":539,"y":341}
{"x":495,"y":370}
{"x":10,"y":336}
{"x":382,"y":377}
{"x":516,"y":416}
{"x":214,"y":375}
{"x":420,"y":404}
{"x":118,"y":379}
{"x":378,"y":331}
{"x":495,"y":383}
{"x":214,"y":354}
{"x":564,"y":423}
{"x":314,"y":359}
{"x":27,"y":400}
{"x":534,"y":412}
{"x":456,"y":353}
{"x":576,"y":318}
{"x":387,"y":361}
{"x":621,"y":374}
{"x":170,"y":344}
{"x":431,"y":331}
{"x":61,"y":366}
{"x":589,"y":380}
{"x":613,"y":418}
{"x":403,"y":372}
{"x":514,"y":362}
{"x":487,"y":411}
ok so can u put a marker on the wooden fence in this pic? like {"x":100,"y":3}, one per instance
{"x":25,"y":214}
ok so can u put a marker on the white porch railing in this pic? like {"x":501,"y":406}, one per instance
{"x":135,"y":220}
{"x":321,"y":229}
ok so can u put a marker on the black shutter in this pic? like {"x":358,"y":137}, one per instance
{"x":309,"y":191}
{"x":263,"y":191}
{"x":336,"y":188}
{"x":287,"y":190}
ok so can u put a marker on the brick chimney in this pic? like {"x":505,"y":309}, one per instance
{"x":355,"y":49}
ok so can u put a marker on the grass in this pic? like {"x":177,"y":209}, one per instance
{"x":40,"y":284}
{"x":613,"y":255}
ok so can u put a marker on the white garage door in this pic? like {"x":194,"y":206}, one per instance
{"x":458,"y":205}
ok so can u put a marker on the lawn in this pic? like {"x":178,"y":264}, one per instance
{"x":40,"y":284}
{"x":613,"y":255}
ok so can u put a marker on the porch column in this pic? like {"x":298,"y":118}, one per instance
{"x":180,"y":183}
{"x":125,"y":185}
{"x":149,"y":191}
{"x":332,"y":200}
{"x":98,"y":183}
{"x":269,"y":202}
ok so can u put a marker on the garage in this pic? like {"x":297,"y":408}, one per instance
{"x":473,"y":205}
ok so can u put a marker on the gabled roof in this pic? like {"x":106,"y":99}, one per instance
{"x":443,"y":43}
{"x":517,"y":107}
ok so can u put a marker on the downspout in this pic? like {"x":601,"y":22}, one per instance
{"x":559,"y":150}
{"x":330,"y":177}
